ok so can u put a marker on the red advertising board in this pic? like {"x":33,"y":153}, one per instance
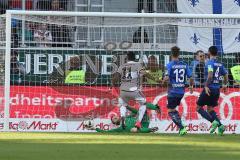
{"x":70,"y":102}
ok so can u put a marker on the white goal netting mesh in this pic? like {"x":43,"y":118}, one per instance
{"x":62,"y":66}
{"x":2,"y":65}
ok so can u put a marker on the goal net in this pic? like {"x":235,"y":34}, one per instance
{"x":62,"y":65}
{"x":2,"y":68}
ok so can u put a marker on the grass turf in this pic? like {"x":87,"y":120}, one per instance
{"x":76,"y":146}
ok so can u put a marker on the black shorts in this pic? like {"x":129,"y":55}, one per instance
{"x":211,"y":100}
{"x":173,"y":102}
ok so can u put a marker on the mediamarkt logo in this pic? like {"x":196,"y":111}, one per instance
{"x":101,"y":126}
{"x":35,"y":125}
{"x":201,"y":127}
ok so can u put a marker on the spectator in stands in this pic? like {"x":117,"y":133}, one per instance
{"x":60,"y":33}
{"x":44,"y":5}
{"x":199,"y":69}
{"x":146,"y":5}
{"x":16,"y":67}
{"x":3,"y":6}
{"x":42,"y":35}
{"x":56,"y":5}
{"x":137,"y":36}
{"x":28,"y":32}
{"x":17,"y":4}
{"x":15,"y":31}
{"x":171,"y":6}
{"x":16,"y":24}
{"x":64,"y":4}
{"x":155,"y":70}
{"x":194,"y":62}
{"x":207,"y":57}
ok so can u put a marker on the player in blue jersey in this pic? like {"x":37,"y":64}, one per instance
{"x":214,"y":71}
{"x":176,"y":76}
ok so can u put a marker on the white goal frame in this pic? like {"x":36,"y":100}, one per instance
{"x":9,"y":14}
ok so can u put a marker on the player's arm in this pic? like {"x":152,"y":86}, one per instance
{"x":225,"y":82}
{"x":209,"y":78}
{"x":166,"y":76}
{"x":191,"y":81}
{"x":165,"y":79}
{"x":225,"y":79}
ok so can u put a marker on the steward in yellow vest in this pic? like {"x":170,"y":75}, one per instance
{"x":235,"y":70}
{"x":75,"y":77}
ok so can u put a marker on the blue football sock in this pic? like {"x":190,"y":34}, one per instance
{"x":176,"y":118}
{"x":205,"y":115}
{"x":215,"y":117}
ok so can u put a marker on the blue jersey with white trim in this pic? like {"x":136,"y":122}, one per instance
{"x":218,"y":70}
{"x":177,"y":71}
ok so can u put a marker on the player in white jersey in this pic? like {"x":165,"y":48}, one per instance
{"x":130,"y":74}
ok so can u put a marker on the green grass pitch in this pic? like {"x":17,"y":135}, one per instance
{"x":79,"y":146}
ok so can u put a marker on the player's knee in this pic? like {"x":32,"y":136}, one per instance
{"x":143,"y":102}
{"x":142,"y":108}
{"x":121,"y":103}
{"x":171,"y":110}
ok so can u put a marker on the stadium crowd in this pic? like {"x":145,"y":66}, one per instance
{"x":45,"y":35}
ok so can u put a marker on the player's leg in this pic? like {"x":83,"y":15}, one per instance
{"x":173,"y":102}
{"x":123,"y":102}
{"x":123,"y":110}
{"x":215,"y":120}
{"x":202,"y":101}
{"x":214,"y":115}
{"x":216,"y":123}
{"x":140,"y":98}
{"x":144,"y":130}
{"x":153,"y":107}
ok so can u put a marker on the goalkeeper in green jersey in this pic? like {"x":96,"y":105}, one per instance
{"x":131,"y":120}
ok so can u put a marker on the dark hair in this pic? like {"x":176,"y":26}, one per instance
{"x":213,"y":50}
{"x":131,"y":56}
{"x":175,"y":51}
{"x":199,"y":51}
{"x":117,"y":123}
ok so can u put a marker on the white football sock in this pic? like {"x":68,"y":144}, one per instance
{"x":141,"y":112}
{"x":123,"y":111}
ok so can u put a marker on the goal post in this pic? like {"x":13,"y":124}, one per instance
{"x":7,"y":72}
{"x":58,"y":73}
